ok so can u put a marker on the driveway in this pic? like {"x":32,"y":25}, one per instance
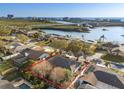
{"x":95,"y":56}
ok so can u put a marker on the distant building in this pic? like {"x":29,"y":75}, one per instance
{"x":10,"y":16}
{"x":66,"y":18}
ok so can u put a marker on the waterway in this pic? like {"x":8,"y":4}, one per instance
{"x":112,"y":34}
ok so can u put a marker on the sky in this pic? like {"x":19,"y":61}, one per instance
{"x":62,"y":10}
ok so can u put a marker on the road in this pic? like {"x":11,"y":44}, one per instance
{"x":78,"y":76}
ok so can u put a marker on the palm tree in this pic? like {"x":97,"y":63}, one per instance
{"x":122,"y":36}
{"x":107,"y":63}
{"x":82,"y":37}
{"x":102,"y":38}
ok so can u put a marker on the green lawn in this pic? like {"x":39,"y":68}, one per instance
{"x":12,"y":76}
{"x":64,"y":28}
{"x":113,"y":58}
{"x":90,"y":69}
{"x":42,"y":43}
{"x":5,"y":66}
{"x":21,"y":22}
{"x":117,"y":71}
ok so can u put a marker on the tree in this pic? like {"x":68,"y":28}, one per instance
{"x":77,"y":46}
{"x":107,"y":63}
{"x":68,"y":74}
{"x":109,"y":46}
{"x":5,"y":31}
{"x":82,"y":37}
{"x":43,"y":68}
{"x":102,"y":38}
{"x":92,"y":48}
{"x":40,"y":85}
{"x":36,"y":35}
{"x":59,"y":74}
{"x":2,"y":44}
{"x":27,"y":75}
{"x":23,"y":38}
{"x":59,"y":44}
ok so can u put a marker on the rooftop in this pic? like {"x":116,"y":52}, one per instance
{"x":62,"y":62}
{"x":109,"y":79}
{"x":104,"y":79}
{"x":32,"y":54}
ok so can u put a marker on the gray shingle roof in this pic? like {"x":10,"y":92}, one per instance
{"x":32,"y":53}
{"x":60,"y":61}
{"x":109,"y":79}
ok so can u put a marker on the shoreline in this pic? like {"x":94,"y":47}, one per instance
{"x":66,"y":28}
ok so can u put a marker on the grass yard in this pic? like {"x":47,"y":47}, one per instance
{"x":43,"y":43}
{"x":117,"y":71}
{"x":5,"y":66}
{"x":12,"y":76}
{"x":113,"y":58}
{"x":21,"y":22}
{"x":64,"y":28}
{"x":90,"y":69}
{"x":7,"y":37}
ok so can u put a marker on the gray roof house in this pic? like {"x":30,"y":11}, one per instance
{"x":60,"y":61}
{"x":103,"y":79}
{"x":28,"y":54}
{"x":32,"y":54}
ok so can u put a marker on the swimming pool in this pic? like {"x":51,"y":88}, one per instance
{"x":24,"y":86}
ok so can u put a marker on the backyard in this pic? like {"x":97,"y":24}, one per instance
{"x":114,"y":58}
{"x":5,"y":66}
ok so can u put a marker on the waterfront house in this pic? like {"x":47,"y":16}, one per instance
{"x":32,"y":32}
{"x":55,"y":68}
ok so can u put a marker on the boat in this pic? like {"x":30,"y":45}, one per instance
{"x":122,"y":35}
{"x":104,"y":29}
{"x":90,"y":40}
